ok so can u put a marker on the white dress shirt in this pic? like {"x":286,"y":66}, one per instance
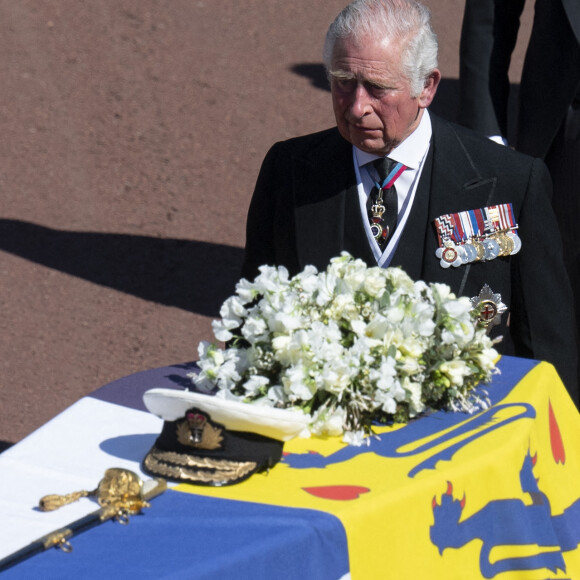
{"x":411,"y":153}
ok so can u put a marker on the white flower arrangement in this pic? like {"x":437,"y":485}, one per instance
{"x":349,"y":346}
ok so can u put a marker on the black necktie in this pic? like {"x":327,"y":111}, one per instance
{"x":382,"y":204}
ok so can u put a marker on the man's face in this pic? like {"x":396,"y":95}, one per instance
{"x":372,"y":99}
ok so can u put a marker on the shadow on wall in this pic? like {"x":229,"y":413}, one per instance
{"x":194,"y":276}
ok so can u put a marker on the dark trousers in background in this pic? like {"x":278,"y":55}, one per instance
{"x":547,"y":123}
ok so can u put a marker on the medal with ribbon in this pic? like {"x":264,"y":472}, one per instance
{"x":477,"y":235}
{"x":380,"y":229}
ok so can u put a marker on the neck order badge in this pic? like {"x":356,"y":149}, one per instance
{"x":382,"y":203}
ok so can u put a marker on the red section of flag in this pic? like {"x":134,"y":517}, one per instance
{"x":337,"y":492}
{"x":558,"y":450}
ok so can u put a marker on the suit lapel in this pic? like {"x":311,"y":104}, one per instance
{"x":460,"y":186}
{"x":327,"y":212}
{"x":572,"y":8}
{"x":450,"y":183}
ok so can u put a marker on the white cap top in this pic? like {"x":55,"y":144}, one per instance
{"x":280,"y":424}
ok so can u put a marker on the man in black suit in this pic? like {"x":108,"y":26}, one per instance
{"x":488,"y":37}
{"x":550,"y":80}
{"x":310,"y":201}
{"x":548,"y":109}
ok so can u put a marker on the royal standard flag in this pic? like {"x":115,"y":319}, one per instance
{"x":491,"y":495}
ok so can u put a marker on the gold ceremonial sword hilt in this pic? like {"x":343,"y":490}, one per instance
{"x":120,"y":493}
{"x":119,"y":488}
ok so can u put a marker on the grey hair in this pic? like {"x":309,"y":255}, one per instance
{"x":405,"y":21}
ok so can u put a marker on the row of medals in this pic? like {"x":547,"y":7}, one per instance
{"x":482,"y":248}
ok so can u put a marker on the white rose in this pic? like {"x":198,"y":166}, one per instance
{"x":374,"y":283}
{"x":455,"y":370}
{"x":400,"y":279}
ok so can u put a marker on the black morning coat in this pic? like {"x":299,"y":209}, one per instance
{"x":305,"y":210}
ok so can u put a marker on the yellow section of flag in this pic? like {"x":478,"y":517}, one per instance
{"x":425,"y":503}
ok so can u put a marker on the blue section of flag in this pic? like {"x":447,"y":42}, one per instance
{"x":449,"y":425}
{"x":188,"y":536}
{"x":511,"y":371}
{"x":510,"y":522}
